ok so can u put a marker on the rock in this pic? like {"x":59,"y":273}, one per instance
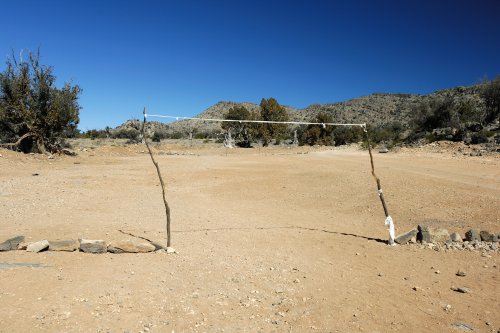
{"x":11,"y":244}
{"x":406,"y":237}
{"x":38,"y":246}
{"x":455,"y":237}
{"x":171,"y":250}
{"x":131,"y":246}
{"x":69,"y":245}
{"x":93,"y":246}
{"x":487,"y":236}
{"x":472,"y":235}
{"x":463,"y":290}
{"x":22,"y":246}
{"x":432,"y":235}
{"x":461,"y":273}
{"x":383,"y":150}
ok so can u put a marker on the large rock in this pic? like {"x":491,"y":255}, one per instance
{"x":131,"y":246}
{"x":406,"y":237}
{"x":472,"y":235}
{"x":93,"y":246}
{"x":432,"y":235}
{"x":487,"y":236}
{"x":68,"y":245}
{"x":11,"y":244}
{"x":38,"y":246}
{"x":455,"y":237}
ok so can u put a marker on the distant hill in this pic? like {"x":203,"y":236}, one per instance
{"x":377,"y":109}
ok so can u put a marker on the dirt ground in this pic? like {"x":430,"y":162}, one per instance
{"x":268,"y":240}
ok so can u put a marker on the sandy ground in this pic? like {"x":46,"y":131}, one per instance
{"x":268,"y":240}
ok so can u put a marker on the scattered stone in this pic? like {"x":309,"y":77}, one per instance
{"x":22,"y":246}
{"x":455,"y":237}
{"x":383,"y":150}
{"x":416,"y":288}
{"x":487,"y":236}
{"x":463,"y":327}
{"x":447,"y":307}
{"x":437,"y":272}
{"x":131,"y":246}
{"x":472,"y":235}
{"x":69,"y":245}
{"x":38,"y":246}
{"x":460,"y":273}
{"x":11,"y":244}
{"x":432,"y":235}
{"x":406,"y":237}
{"x":171,"y":250}
{"x":463,"y":290}
{"x":93,"y":246}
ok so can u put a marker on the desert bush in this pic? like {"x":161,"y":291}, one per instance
{"x":34,"y":113}
{"x":270,"y":110}
{"x":491,"y":96}
{"x":239,"y":131}
{"x":318,"y":134}
{"x":132,"y":134}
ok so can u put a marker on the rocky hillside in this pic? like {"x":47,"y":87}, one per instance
{"x":375,"y":109}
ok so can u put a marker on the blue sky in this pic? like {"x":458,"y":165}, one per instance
{"x":180,"y":57}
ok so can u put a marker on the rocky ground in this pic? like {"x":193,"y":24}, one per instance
{"x":267,"y":240}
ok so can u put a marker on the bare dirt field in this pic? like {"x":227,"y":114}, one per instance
{"x":268,"y":240}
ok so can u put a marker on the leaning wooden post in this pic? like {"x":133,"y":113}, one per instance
{"x":388,"y":219}
{"x":167,"y":208}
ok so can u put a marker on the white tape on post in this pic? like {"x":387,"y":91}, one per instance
{"x":390,"y":223}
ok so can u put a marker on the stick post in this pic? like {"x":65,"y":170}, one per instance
{"x":167,"y":208}
{"x":388,"y":219}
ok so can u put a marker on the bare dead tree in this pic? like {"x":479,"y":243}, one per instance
{"x":167,"y":207}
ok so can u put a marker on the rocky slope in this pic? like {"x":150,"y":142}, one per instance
{"x":375,"y":109}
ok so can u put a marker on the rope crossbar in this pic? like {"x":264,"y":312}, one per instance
{"x":253,"y":121}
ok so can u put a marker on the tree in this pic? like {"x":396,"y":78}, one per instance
{"x":271,"y":110}
{"x":491,"y":96}
{"x":34,"y":113}
{"x":240,"y":131}
{"x":318,"y":134}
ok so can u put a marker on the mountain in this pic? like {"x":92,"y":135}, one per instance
{"x":377,"y":109}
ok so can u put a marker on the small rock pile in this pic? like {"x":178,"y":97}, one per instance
{"x":83,"y":245}
{"x":439,"y":239}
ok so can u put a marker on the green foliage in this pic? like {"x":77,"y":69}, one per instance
{"x":95,"y":134}
{"x":344,"y":135}
{"x":389,"y":134}
{"x":132,"y":134}
{"x":318,"y":134}
{"x":491,"y":96}
{"x":271,"y":110}
{"x":239,"y":131}
{"x":34,"y":113}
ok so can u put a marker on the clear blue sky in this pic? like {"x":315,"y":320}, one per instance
{"x":180,"y":57}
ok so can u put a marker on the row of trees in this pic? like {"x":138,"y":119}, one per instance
{"x":245,"y":133}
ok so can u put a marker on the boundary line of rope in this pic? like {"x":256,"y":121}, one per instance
{"x":253,"y":121}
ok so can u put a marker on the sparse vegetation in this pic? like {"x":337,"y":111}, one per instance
{"x":35,"y":115}
{"x":318,"y":134}
{"x":271,"y":110}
